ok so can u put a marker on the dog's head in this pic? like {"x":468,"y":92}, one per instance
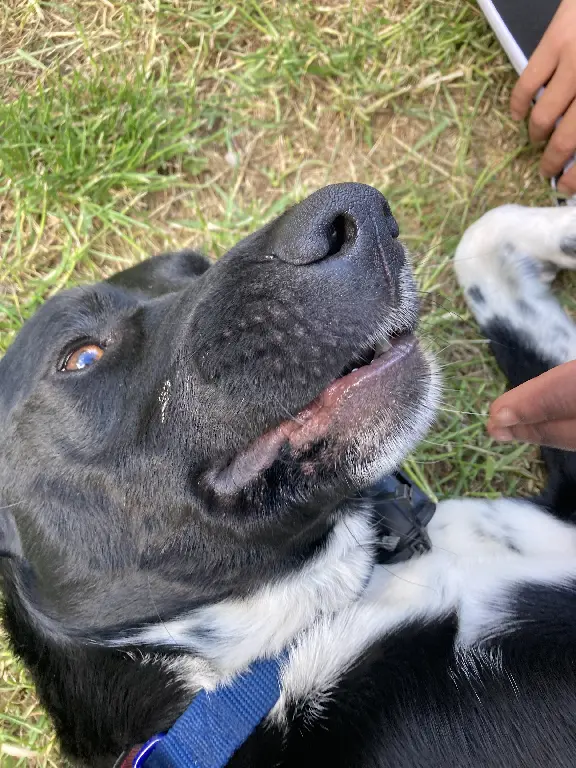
{"x":186,"y":432}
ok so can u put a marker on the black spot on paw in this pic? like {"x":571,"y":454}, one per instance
{"x":524,"y":307}
{"x":511,"y":546}
{"x":479,"y":533}
{"x":476,"y":295}
{"x":568,"y":246}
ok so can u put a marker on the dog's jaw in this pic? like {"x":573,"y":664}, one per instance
{"x":367,"y":418}
{"x":388,"y":454}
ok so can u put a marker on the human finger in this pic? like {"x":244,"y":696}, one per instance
{"x":562,"y":145}
{"x":567,"y":182}
{"x":555,"y":434}
{"x":555,"y":100}
{"x":539,"y":70}
{"x":549,"y":397}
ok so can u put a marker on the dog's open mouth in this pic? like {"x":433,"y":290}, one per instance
{"x":374,"y":385}
{"x":371,"y":367}
{"x":366,"y":358}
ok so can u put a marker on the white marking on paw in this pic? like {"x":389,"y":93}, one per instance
{"x":502,"y":264}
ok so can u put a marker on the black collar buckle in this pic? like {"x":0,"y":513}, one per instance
{"x":401,"y":513}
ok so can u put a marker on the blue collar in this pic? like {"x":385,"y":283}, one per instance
{"x":217,"y":722}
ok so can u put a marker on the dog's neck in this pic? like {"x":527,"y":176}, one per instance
{"x":234,"y":632}
{"x":229,"y":635}
{"x":198,"y":650}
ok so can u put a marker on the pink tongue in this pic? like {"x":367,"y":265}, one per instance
{"x":257,"y":457}
{"x":316,"y":417}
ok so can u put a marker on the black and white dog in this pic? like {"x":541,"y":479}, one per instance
{"x":185,"y":464}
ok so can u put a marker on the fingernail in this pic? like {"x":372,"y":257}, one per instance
{"x":502,"y":435}
{"x":504,"y":418}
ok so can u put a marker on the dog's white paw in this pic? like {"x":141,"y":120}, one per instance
{"x":483,"y":528}
{"x":505,"y":262}
{"x":545,"y":235}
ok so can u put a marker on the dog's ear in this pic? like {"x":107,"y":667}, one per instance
{"x":10,"y":545}
{"x":162,"y":274}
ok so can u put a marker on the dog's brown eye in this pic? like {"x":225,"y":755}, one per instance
{"x":83,"y":357}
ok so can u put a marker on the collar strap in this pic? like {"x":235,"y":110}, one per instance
{"x":402,"y":511}
{"x":217,"y":722}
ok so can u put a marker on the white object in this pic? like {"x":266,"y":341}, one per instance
{"x":511,"y":47}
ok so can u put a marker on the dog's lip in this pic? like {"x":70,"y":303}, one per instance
{"x":313,"y":421}
{"x":332,"y":410}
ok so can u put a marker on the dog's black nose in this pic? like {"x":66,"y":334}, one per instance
{"x":336,"y":220}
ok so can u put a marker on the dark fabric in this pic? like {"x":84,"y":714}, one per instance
{"x":527,"y":20}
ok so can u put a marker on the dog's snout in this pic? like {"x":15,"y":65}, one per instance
{"x":337,"y":220}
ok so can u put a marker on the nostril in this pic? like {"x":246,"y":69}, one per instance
{"x":341,"y":232}
{"x":393,"y":227}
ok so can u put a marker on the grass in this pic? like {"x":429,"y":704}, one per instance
{"x":129,"y":128}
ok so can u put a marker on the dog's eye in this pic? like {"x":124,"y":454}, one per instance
{"x":83,"y":357}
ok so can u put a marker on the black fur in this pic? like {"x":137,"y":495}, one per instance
{"x":476,"y":295}
{"x":101,"y":702}
{"x":407,"y":702}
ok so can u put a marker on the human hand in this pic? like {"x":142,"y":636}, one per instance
{"x":552,"y":64}
{"x":542,"y":411}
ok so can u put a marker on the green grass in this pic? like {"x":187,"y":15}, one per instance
{"x":129,"y":128}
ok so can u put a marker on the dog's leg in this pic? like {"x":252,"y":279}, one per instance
{"x":505,"y":263}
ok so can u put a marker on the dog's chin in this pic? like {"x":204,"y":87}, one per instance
{"x":382,"y":447}
{"x":369,"y":419}
{"x":380,"y":412}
